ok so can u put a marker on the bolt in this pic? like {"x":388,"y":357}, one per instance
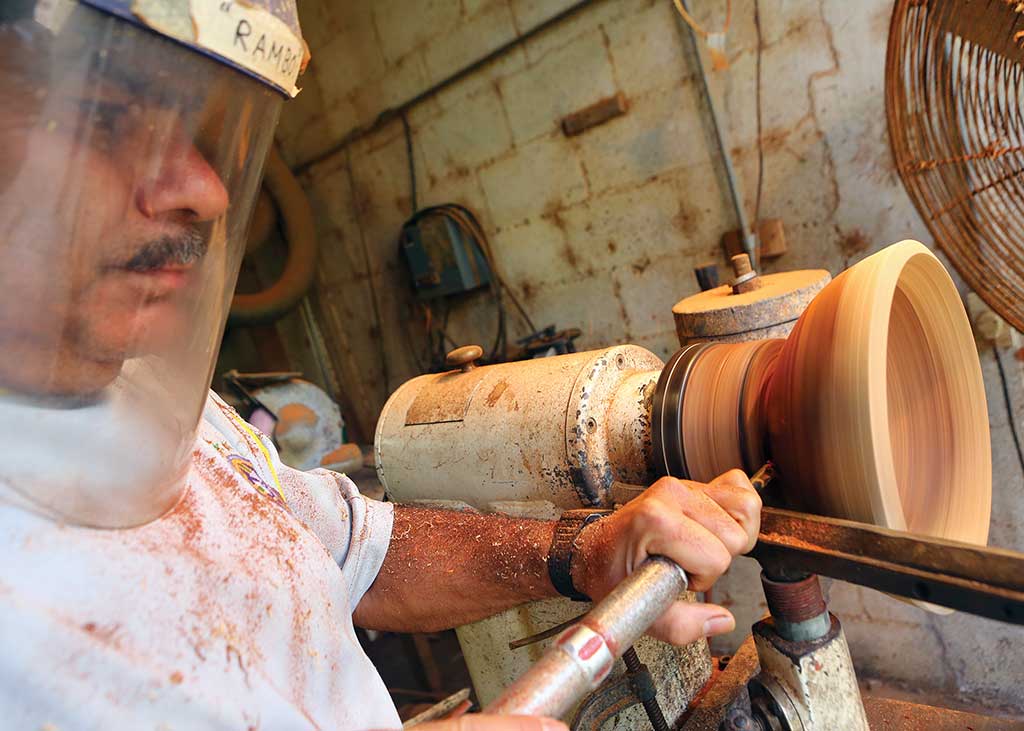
{"x":741,"y":265}
{"x":746,"y":278}
{"x":591,"y":425}
{"x":620,"y":361}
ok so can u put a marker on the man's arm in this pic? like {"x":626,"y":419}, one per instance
{"x":444,"y":569}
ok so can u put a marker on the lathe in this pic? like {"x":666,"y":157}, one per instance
{"x":865,"y":396}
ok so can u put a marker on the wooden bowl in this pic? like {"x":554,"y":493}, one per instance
{"x":876,"y":407}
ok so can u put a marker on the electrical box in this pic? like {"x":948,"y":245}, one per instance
{"x":443,"y":258}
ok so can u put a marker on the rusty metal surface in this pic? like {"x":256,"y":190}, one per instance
{"x":810,"y":684}
{"x":612,"y":697}
{"x":607,"y":421}
{"x":724,"y":690}
{"x":988,"y":582}
{"x":953,"y":93}
{"x":643,"y":685}
{"x":560,"y":430}
{"x":445,"y":401}
{"x":582,"y":657}
{"x":794,"y":601}
{"x":728,"y":689}
{"x":892,"y":715}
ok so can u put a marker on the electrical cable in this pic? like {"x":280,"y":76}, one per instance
{"x":469,"y":226}
{"x":1009,"y":406}
{"x":760,"y":138}
{"x":412,"y":163}
{"x":697,"y":28}
{"x":465,"y":220}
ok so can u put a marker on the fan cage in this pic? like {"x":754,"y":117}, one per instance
{"x":954,"y":90}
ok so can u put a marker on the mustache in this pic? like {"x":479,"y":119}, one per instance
{"x":181,"y":250}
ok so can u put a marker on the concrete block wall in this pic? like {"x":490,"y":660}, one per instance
{"x":602,"y":231}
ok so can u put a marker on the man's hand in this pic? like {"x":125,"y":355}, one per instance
{"x":481,"y":722}
{"x":700,"y":527}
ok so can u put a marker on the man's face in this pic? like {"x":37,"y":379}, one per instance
{"x":105,"y":213}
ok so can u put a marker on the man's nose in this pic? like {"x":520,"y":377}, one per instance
{"x":186,"y":183}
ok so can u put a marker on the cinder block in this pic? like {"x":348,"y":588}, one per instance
{"x":348,"y":324}
{"x":530,"y":13}
{"x":472,"y":8}
{"x":382,"y":193}
{"x":462,"y":189}
{"x":542,"y":176}
{"x":596,"y":17}
{"x":403,"y":26}
{"x":985,"y":655}
{"x":532,"y":253}
{"x":466,"y":136}
{"x":303,"y":141}
{"x":906,"y":653}
{"x":560,"y":83}
{"x":317,"y":21}
{"x":663,"y":343}
{"x":488,"y":76}
{"x":647,"y":48}
{"x":347,"y":60}
{"x":587,"y":303}
{"x":340,"y":259}
{"x":647,"y":288}
{"x":662,"y":130}
{"x":399,"y":84}
{"x":739,"y":591}
{"x":469,"y":40}
{"x":302,"y":128}
{"x":660,"y":218}
{"x":341,"y":118}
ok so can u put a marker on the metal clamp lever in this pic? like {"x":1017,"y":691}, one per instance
{"x":988,"y":582}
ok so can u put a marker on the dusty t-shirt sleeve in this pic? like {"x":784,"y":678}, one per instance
{"x":355,"y":529}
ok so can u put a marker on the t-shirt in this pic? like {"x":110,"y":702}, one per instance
{"x":232,"y":611}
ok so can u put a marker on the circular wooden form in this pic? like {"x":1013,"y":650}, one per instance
{"x":719,"y":314}
{"x":873,"y":409}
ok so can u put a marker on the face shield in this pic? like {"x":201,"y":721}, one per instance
{"x":129,"y":164}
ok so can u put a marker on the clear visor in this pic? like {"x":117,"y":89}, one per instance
{"x":129,"y":165}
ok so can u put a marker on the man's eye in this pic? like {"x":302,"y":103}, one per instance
{"x":110,"y":117}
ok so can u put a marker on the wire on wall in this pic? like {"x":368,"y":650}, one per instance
{"x":757,"y":102}
{"x":469,"y":225}
{"x":388,"y":115}
{"x":412,"y":163}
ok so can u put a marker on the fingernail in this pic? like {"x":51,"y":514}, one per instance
{"x":718,"y":625}
{"x":550,"y":724}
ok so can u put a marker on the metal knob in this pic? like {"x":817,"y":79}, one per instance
{"x":746,"y":278}
{"x":464,"y":358}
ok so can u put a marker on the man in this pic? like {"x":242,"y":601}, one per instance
{"x":169,"y":572}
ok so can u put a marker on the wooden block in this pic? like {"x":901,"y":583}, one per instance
{"x":597,"y":113}
{"x":771,"y":239}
